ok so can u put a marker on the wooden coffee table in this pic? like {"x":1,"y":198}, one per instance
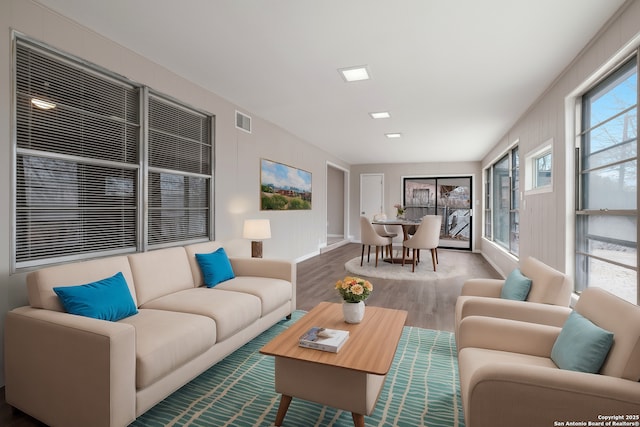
{"x":351,"y":379}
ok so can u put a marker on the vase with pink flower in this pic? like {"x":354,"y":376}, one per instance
{"x":399,"y":211}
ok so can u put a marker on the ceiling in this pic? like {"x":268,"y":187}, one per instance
{"x":455,"y":75}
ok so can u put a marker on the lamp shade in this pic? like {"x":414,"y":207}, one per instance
{"x":256,"y":229}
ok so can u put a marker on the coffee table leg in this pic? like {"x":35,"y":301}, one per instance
{"x":358,"y":419}
{"x":282,"y":409}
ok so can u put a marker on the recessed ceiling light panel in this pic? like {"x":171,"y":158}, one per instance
{"x":355,"y":74}
{"x":380,"y":115}
{"x":393,"y":135}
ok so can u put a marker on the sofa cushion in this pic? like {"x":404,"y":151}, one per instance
{"x":216,"y":267}
{"x":273,"y":293}
{"x":232,"y":311}
{"x":166,"y":340}
{"x":472,"y":360}
{"x":581,"y":346}
{"x":106,"y":299}
{"x":160,"y":272}
{"x":199,"y":248}
{"x":516,"y":287}
{"x":478,"y":364}
{"x":40,"y":283}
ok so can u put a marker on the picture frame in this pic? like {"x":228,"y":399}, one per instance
{"x":284,"y":187}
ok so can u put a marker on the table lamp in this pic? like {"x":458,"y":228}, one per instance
{"x":257,"y":230}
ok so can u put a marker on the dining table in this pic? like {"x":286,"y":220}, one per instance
{"x":406,"y":224}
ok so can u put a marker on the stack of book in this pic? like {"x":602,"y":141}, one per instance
{"x":324,"y":339}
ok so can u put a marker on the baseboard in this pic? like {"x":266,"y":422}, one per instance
{"x":307,"y":256}
{"x":332,"y":246}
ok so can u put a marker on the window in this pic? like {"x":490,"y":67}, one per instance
{"x":488,"y":230}
{"x":502,"y":183}
{"x":542,"y":170}
{"x":82,"y":178}
{"x":501,"y":201}
{"x":179,"y":172}
{"x":539,"y":170}
{"x":606,"y":215}
{"x":514,"y":211}
{"x":448,"y":197}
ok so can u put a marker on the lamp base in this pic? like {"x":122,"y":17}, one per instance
{"x":256,"y":249}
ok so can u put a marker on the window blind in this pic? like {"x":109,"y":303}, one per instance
{"x":77,"y":160}
{"x":84,"y":172}
{"x":179,"y":173}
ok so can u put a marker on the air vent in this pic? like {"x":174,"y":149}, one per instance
{"x":243,"y":122}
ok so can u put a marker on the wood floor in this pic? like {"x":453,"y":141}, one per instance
{"x":430,"y":305}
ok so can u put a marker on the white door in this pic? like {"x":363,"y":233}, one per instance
{"x":371,"y":194}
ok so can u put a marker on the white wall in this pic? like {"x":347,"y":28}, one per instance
{"x":296,"y":234}
{"x":546,"y":230}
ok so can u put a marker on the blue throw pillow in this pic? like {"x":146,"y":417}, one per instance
{"x":516,"y":287}
{"x":216,"y":267}
{"x":106,"y":299}
{"x":581,"y":346}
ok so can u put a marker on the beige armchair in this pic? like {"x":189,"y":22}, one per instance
{"x":369,"y":237}
{"x":507,"y":376}
{"x":549,"y":288}
{"x":427,"y":236}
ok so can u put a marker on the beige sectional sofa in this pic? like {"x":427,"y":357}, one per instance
{"x":69,"y":370}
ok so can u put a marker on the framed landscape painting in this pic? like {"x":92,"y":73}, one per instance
{"x":284,"y":187}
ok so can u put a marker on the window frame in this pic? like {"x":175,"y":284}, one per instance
{"x":140,"y":224}
{"x":532,"y":184}
{"x":187,"y":175}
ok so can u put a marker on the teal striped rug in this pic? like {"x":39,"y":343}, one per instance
{"x":421,"y":390}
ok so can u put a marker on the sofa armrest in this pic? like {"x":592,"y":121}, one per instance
{"x":510,"y":395}
{"x":506,"y":335}
{"x":261,"y":267}
{"x":524,"y":311}
{"x":482,"y":287}
{"x":532,"y":312}
{"x":70,"y":370}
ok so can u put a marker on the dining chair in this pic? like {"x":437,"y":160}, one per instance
{"x":369,"y":237}
{"x":382,"y":230}
{"x":410,"y":231}
{"x":427,"y":236}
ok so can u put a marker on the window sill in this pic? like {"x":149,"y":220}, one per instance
{"x":502,"y":249}
{"x":539,"y":190}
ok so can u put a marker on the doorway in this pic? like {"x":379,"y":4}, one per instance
{"x":449,"y":197}
{"x":337,"y":206}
